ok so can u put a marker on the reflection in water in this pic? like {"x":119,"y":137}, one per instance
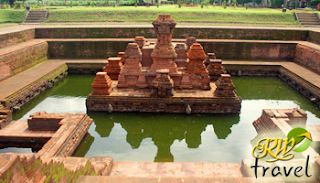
{"x":163,"y":129}
{"x":86,"y":143}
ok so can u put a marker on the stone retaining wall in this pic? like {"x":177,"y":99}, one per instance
{"x":198,"y":32}
{"x":85,"y":49}
{"x":80,"y":49}
{"x":16,"y":61}
{"x":308,"y":57}
{"x":314,"y":36}
{"x":12,"y":38}
{"x":250,"y":50}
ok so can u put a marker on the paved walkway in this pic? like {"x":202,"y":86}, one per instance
{"x":19,"y":81}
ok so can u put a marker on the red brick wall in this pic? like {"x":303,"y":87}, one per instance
{"x":19,"y":60}
{"x":13,"y":38}
{"x":44,"y":123}
{"x":308,"y":57}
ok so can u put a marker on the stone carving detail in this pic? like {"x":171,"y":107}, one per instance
{"x":162,"y":85}
{"x":225,"y":87}
{"x":101,"y":84}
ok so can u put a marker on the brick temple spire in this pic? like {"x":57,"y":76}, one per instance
{"x":164,"y":55}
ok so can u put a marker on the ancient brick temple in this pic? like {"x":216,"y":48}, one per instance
{"x":164,"y":76}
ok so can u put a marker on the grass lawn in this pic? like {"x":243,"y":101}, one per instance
{"x":7,"y":24}
{"x":185,"y":14}
{"x":11,"y":15}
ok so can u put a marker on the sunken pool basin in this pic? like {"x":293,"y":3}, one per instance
{"x":170,"y":137}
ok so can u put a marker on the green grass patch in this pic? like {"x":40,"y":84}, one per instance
{"x":11,"y":15}
{"x":8,"y":24}
{"x":185,"y":14}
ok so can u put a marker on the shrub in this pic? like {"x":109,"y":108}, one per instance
{"x":234,"y":3}
{"x":76,"y":3}
{"x":276,"y":3}
{"x":247,"y":6}
{"x":167,"y":2}
{"x":179,"y":3}
{"x":224,"y":4}
{"x":2,"y":6}
{"x":315,"y":2}
{"x":158,"y":4}
{"x":18,"y":4}
{"x":135,"y":4}
{"x":92,"y":4}
{"x":71,"y":4}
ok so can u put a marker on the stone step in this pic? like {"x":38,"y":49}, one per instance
{"x":36,"y":17}
{"x":302,"y":19}
{"x":312,"y":15}
{"x":309,"y":23}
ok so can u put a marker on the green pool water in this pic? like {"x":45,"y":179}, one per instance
{"x":171,"y":137}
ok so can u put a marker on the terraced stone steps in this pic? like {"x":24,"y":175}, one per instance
{"x":35,"y":17}
{"x":308,"y":19}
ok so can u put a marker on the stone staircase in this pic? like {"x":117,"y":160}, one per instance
{"x":35,"y":17}
{"x":308,"y":19}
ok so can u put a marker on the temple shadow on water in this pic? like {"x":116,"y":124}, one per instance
{"x":162,"y":129}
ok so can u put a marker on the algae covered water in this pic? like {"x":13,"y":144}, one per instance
{"x":171,"y":137}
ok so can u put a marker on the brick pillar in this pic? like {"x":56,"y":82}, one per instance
{"x":164,"y":55}
{"x":190,"y":41}
{"x":113,"y":68}
{"x":215,"y":69}
{"x":140,"y":40}
{"x":225,"y":86}
{"x":181,"y":51}
{"x":131,"y":70}
{"x":120,"y":54}
{"x":209,"y":56}
{"x":101,"y":84}
{"x":162,"y":85}
{"x":199,"y":74}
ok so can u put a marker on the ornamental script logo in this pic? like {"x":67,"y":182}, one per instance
{"x":274,"y":149}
